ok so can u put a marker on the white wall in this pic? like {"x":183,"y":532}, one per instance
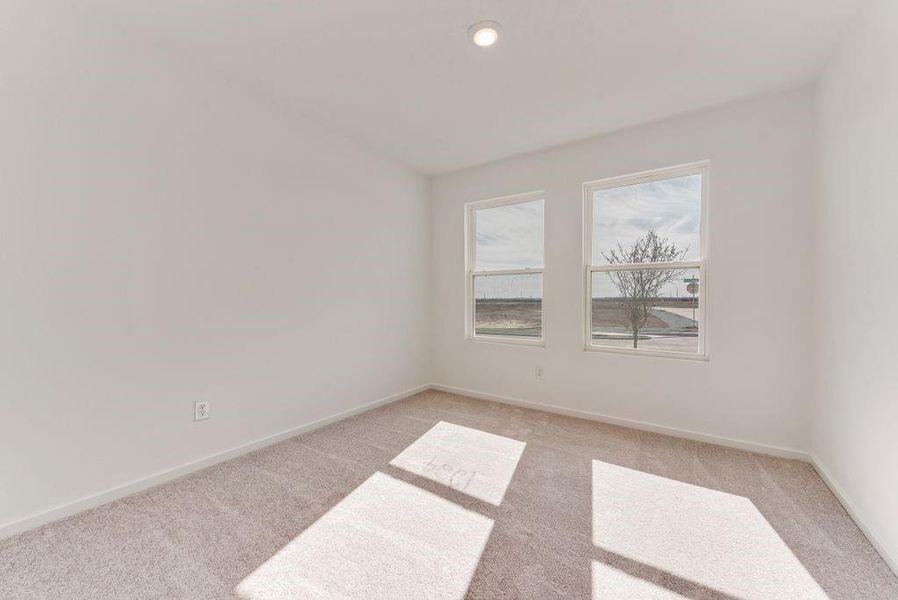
{"x":756,"y":385}
{"x":166,"y":238}
{"x":856,"y":427}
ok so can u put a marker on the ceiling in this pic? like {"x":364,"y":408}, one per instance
{"x":401,"y":77}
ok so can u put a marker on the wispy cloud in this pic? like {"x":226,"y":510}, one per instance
{"x":672,"y":207}
{"x":510,"y":237}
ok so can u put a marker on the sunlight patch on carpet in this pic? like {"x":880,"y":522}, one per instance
{"x":475,"y":462}
{"x":609,"y":583}
{"x":687,"y":533}
{"x":387,"y":539}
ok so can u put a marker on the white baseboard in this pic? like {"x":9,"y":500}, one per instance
{"x":634,"y":424}
{"x":71,"y":508}
{"x":854,"y":513}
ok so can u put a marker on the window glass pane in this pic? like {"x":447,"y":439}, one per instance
{"x":651,"y":309}
{"x":671,"y":208}
{"x":509,"y":305}
{"x":509,"y":237}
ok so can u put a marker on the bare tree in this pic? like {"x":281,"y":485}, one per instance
{"x":639,"y":288}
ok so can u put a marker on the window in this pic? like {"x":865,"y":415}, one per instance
{"x":505,"y":269}
{"x":645,"y":252}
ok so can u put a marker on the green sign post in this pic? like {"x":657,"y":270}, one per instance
{"x":692,"y":288}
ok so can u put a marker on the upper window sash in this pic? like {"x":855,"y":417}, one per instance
{"x":473,"y":208}
{"x":644,"y":177}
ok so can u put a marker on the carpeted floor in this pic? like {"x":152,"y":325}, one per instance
{"x":423,"y":498}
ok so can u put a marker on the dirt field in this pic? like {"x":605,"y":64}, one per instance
{"x":669,"y":326}
{"x":508,"y":317}
{"x":608,"y":315}
{"x":611,"y":316}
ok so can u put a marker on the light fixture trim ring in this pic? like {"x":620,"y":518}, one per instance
{"x":483,"y":26}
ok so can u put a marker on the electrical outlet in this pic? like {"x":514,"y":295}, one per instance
{"x":539,"y":372}
{"x":200,"y":410}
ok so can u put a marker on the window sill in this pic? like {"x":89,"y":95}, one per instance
{"x":506,"y":341}
{"x":652,"y":353}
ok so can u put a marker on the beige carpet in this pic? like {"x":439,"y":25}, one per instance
{"x":475,"y":462}
{"x":442,"y":496}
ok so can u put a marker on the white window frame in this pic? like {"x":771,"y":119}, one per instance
{"x":471,"y":209}
{"x":589,"y":188}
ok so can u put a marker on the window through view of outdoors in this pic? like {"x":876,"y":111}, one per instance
{"x":506,"y":279}
{"x":645,"y":288}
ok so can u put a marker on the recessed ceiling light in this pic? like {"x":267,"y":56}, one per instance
{"x":485,"y":33}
